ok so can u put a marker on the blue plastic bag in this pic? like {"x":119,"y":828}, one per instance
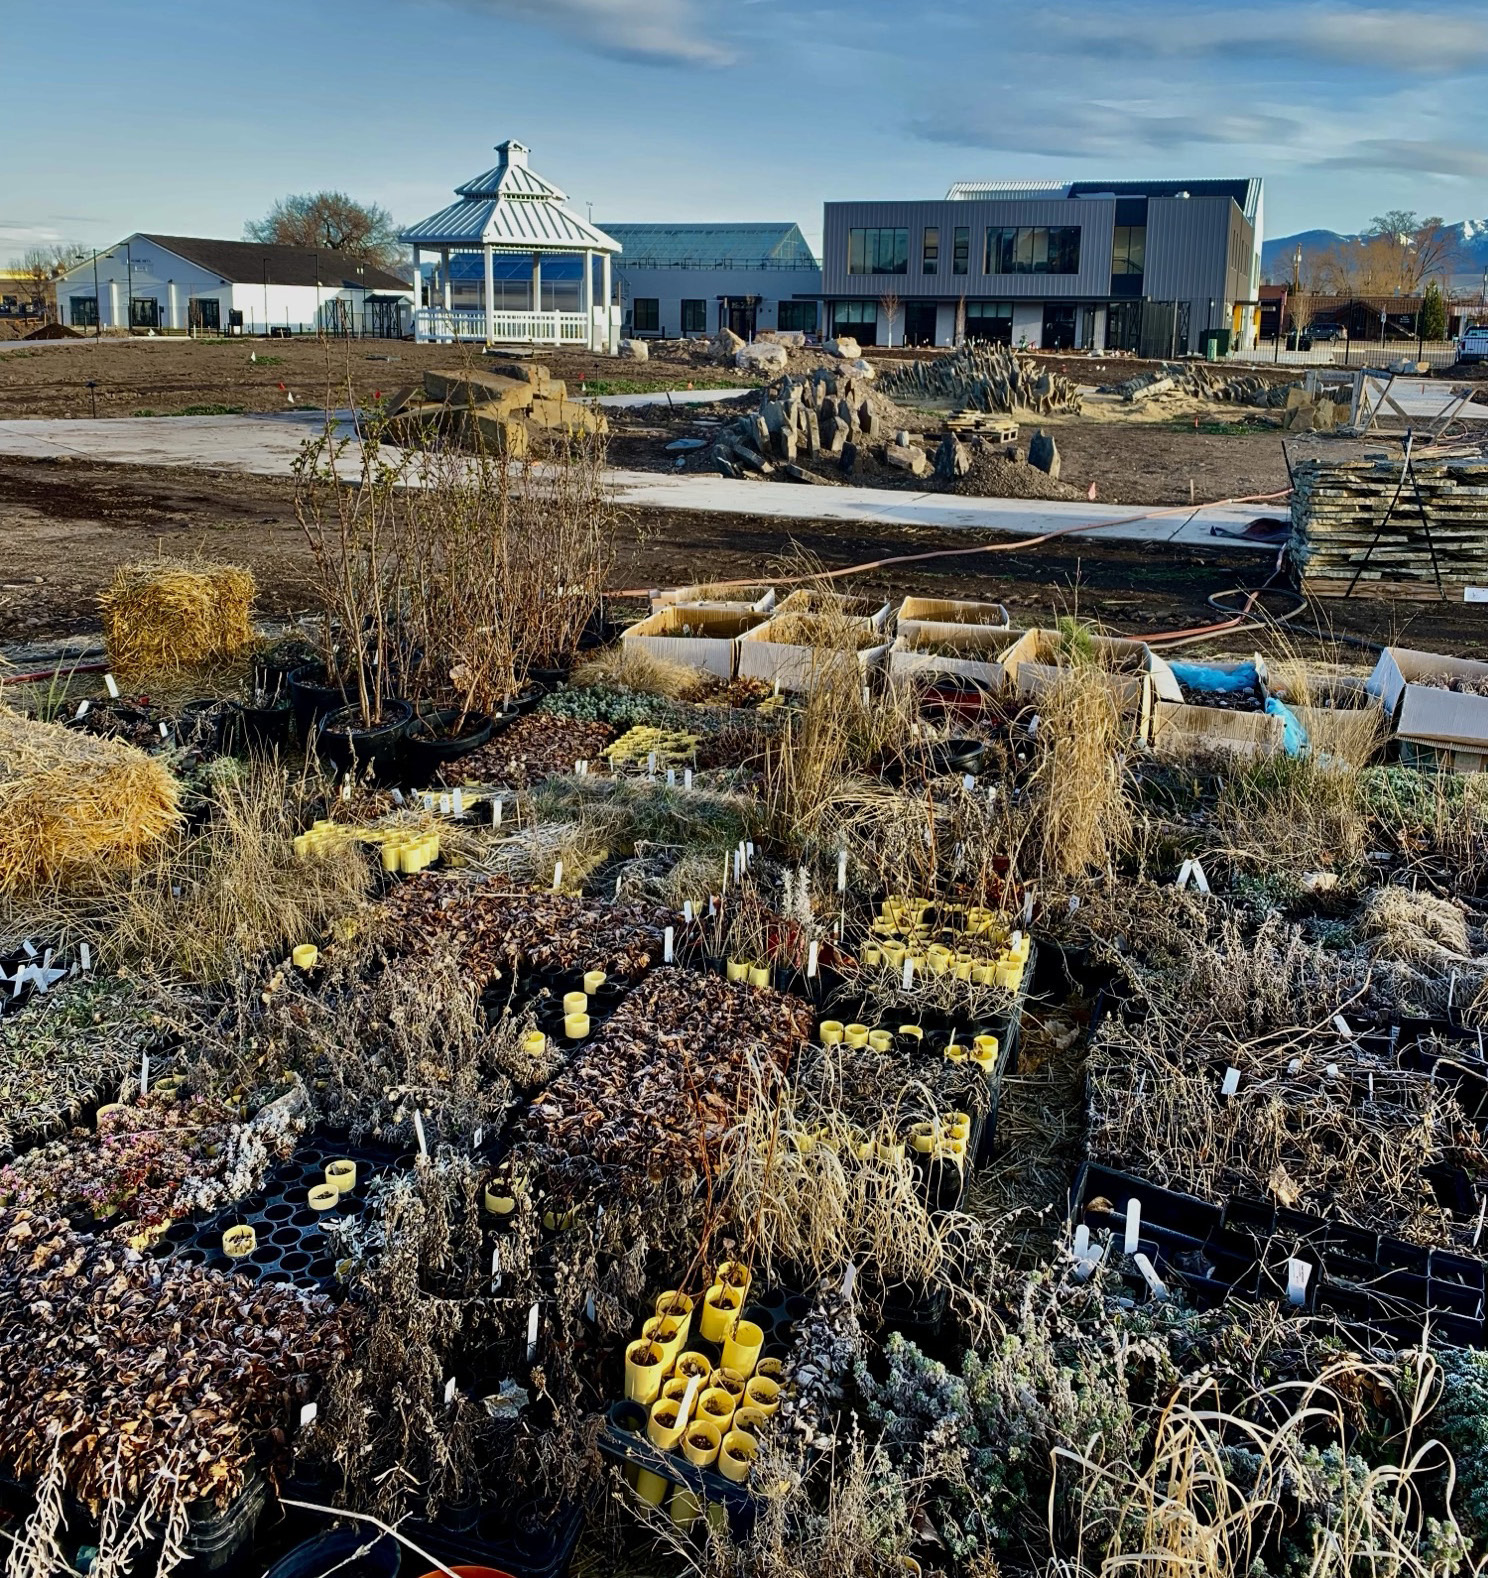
{"x":1294,"y":739}
{"x":1199,"y":676}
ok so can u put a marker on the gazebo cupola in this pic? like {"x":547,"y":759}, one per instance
{"x":510,"y":208}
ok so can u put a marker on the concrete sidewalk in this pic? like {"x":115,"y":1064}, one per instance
{"x":268,"y":446}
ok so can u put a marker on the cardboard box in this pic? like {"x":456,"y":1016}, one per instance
{"x":802,"y":601}
{"x":1032,"y":664}
{"x":763,"y":655}
{"x":1351,"y":729}
{"x":1450,"y":725}
{"x":1185,"y":728}
{"x":945,"y":618}
{"x":699,"y":637}
{"x":917,"y":655}
{"x":743,"y":599}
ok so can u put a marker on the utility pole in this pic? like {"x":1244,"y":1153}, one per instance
{"x":97,"y":300}
{"x":129,"y":276}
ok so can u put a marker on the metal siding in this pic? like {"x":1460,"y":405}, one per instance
{"x":1187,"y":247}
{"x":1095,"y":217}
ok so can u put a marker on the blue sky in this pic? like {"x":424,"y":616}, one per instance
{"x":185,"y":118}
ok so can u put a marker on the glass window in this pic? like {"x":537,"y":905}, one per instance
{"x":204,"y":312}
{"x":1129,"y":249}
{"x":694,"y":317}
{"x":930,"y":250}
{"x":990,"y":321}
{"x":878,"y":251}
{"x":645,"y":314}
{"x":960,"y":249}
{"x":144,"y":313}
{"x":855,"y":312}
{"x":84,"y":311}
{"x":1032,"y":249}
{"x":797,"y":315}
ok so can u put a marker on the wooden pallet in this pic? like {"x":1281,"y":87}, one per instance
{"x":983,"y":424}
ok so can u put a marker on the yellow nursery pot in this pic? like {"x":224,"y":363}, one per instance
{"x":305,"y":956}
{"x":575,"y":1003}
{"x":239,"y":1241}
{"x":593,"y":980}
{"x":733,"y":1274}
{"x":759,"y":975}
{"x":962,"y":969}
{"x":763,"y":1394}
{"x":498,"y":1201}
{"x":665,"y":1331}
{"x":893,"y":954}
{"x":576,"y":1026}
{"x":742,"y":1347}
{"x":411,"y":858}
{"x":881,"y":1040}
{"x":534,"y":1043}
{"x":645,"y":1369}
{"x":889,"y":1151}
{"x":341,"y":1175}
{"x":700,"y":1443}
{"x":773,"y":1368}
{"x":717,"y":1406}
{"x":959,"y":1125}
{"x":750,"y":1420}
{"x":693,"y":1364}
{"x":830,"y":1032}
{"x":1009,"y":976}
{"x":736,"y":1455}
{"x":955,"y":1053}
{"x":923,"y":1137}
{"x":939,"y":960}
{"x":324,"y":1197}
{"x":679,"y":1304}
{"x":721,"y":1306}
{"x":737,"y":969}
{"x":872,"y":955}
{"x":911,"y":1032}
{"x":674,"y":1389}
{"x":856,"y":1036}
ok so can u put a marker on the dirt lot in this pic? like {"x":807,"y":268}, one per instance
{"x":67,"y":524}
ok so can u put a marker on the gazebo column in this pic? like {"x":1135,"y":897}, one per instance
{"x":490,"y":295}
{"x":418,"y":291}
{"x":586,"y":298}
{"x":536,"y":287}
{"x":609,"y":310}
{"x":444,"y":279}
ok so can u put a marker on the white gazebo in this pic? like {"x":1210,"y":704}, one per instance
{"x":512,"y":209}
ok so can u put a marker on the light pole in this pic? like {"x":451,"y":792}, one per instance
{"x":97,"y":300}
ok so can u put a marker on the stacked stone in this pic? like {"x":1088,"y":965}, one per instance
{"x":983,"y":378}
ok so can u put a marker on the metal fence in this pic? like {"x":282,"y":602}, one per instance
{"x":1351,"y":353}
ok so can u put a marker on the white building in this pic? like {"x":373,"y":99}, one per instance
{"x":513,"y":214}
{"x":193,"y":283}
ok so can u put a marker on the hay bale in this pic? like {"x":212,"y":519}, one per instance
{"x":70,"y":803}
{"x":162,"y":617}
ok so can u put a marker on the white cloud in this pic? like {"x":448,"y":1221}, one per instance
{"x":1412,"y":156}
{"x":1306,"y":36}
{"x":1093,"y":129}
{"x":650,"y":32}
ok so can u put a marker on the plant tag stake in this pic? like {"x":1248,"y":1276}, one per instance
{"x":449,"y":1391}
{"x":687,"y":778}
{"x":908,"y":973}
{"x":689,"y":1397}
{"x":457,"y":802}
{"x":748,"y":850}
{"x":397,"y":797}
{"x":85,"y":956}
{"x":144,"y":1073}
{"x":968,"y":781}
{"x":82,"y":711}
{"x":671,"y":777}
{"x":842,"y":871}
{"x":444,"y":805}
{"x":1201,"y":882}
{"x":532,"y":1334}
{"x":1299,"y":1273}
{"x":308,"y":1414}
{"x":811,"y":959}
{"x":557,"y":875}
{"x":418,"y":1129}
{"x":30,"y":948}
{"x":687,"y":911}
{"x":666,"y":945}
{"x":1184,"y":873}
{"x":113,"y":685}
{"x":651,"y":765}
{"x":1155,"y":1284}
{"x":495,"y":1267}
{"x":477,"y":1137}
{"x":1133,"y":1226}
{"x":849,"y":1280}
{"x":1231,"y":1082}
{"x":1341,"y":1025}
{"x":164,"y":730}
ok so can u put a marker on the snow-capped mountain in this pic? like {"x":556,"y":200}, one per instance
{"x":1472,"y":244}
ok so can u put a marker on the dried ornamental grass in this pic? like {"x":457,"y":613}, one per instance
{"x":70,"y":803}
{"x":161,"y":616}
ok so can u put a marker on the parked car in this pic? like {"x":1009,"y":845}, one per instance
{"x":1322,"y":333}
{"x":1473,"y":346}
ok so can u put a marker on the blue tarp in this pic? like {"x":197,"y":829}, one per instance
{"x":1199,"y":676}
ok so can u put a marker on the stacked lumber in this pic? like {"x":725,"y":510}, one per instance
{"x":1339,"y":508}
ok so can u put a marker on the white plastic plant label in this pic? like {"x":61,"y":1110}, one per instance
{"x":1231,"y":1082}
{"x":1155,"y":1284}
{"x":495,"y":1267}
{"x":397,"y":797}
{"x":477,"y":1137}
{"x":449,"y":1391}
{"x":687,"y":778}
{"x":164,"y":730}
{"x":418,"y":1129}
{"x":651,"y":765}
{"x":811,"y":957}
{"x":1299,"y":1274}
{"x":496,"y":811}
{"x":144,"y":1073}
{"x":968,"y":781}
{"x":1133,"y":1226}
{"x":687,"y":912}
{"x":112,"y":686}
{"x":308,"y":1414}
{"x":842,"y":871}
{"x":445,"y":805}
{"x":557,"y":875}
{"x":85,"y":957}
{"x":671,"y":778}
{"x":82,"y":709}
{"x":667,"y":946}
{"x":908,"y":974}
{"x":532,"y":1319}
{"x":457,"y":802}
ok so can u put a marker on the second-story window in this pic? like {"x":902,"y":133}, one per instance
{"x":930,"y":250}
{"x":878,"y":250}
{"x":960,"y":249}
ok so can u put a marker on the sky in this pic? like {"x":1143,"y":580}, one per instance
{"x":189,"y":119}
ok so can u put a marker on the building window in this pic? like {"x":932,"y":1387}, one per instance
{"x":144,"y":313}
{"x":1032,"y":249}
{"x":205,"y":312}
{"x":875,"y":251}
{"x":84,"y":311}
{"x":930,"y":250}
{"x":645,"y":314}
{"x":1129,"y":249}
{"x":857,"y":319}
{"x":989,"y":322}
{"x":960,"y":249}
{"x":694,"y":317}
{"x":797,"y":315}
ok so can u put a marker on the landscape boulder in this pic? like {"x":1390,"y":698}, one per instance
{"x":861,"y":369}
{"x":845,"y":347}
{"x":725,"y":345}
{"x":1043,"y":453}
{"x":635,"y":350}
{"x":952,"y":459}
{"x":762,"y":357}
{"x":791,"y":337}
{"x":906,"y":457}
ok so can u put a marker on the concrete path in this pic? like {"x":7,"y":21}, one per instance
{"x":268,"y":445}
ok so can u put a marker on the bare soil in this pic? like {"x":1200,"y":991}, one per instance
{"x":68,"y":524}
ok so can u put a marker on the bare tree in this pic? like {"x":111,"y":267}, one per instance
{"x":39,"y":268}
{"x":960,"y":331}
{"x":888,"y":305}
{"x":330,"y":222}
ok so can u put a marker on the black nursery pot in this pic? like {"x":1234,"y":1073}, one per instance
{"x":312,"y":696}
{"x":430,"y":744}
{"x":351,"y":746}
{"x":262,"y":728}
{"x":208,"y":723}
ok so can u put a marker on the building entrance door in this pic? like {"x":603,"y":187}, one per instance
{"x":739,"y":315}
{"x":919,"y":323}
{"x":1059,"y":327}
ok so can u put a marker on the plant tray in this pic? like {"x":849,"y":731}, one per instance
{"x":529,"y":1540}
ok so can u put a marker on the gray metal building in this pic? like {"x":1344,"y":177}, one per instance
{"x":679,"y":280}
{"x":1144,"y":266}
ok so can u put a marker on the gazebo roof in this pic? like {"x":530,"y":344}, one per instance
{"x":509,"y":206}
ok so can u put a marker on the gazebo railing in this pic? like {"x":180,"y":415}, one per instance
{"x":440,"y":324}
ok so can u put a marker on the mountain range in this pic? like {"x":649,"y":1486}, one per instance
{"x":1472,"y":246}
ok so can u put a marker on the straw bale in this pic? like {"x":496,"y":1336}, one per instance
{"x":162,"y":616}
{"x":70,"y":803}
